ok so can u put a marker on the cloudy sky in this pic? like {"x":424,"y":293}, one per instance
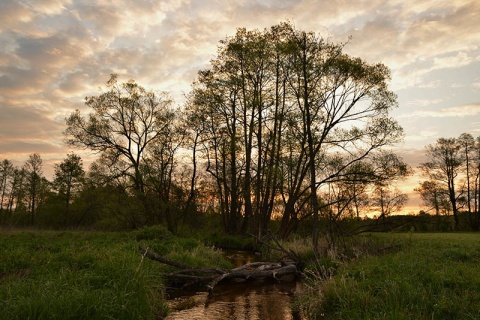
{"x":53,"y":53}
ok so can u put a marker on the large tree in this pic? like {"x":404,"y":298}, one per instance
{"x":282,"y":106}
{"x":125,"y":120}
{"x":343,"y":104}
{"x":158,"y":169}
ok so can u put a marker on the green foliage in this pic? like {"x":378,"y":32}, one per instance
{"x":225,"y":241}
{"x":91,"y":275}
{"x":157,"y":232}
{"x":434,"y":277}
{"x":300,"y":245}
{"x":200,"y":256}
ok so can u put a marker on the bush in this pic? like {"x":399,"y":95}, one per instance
{"x":157,"y":232}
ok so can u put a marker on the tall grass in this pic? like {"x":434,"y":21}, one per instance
{"x":190,"y":251}
{"x":76,"y":275}
{"x":91,"y":275}
{"x":431,"y":276}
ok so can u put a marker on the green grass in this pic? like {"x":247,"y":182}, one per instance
{"x":90,"y":275}
{"x":187,"y":250}
{"x":76,"y":275}
{"x":431,"y":276}
{"x":93,"y":275}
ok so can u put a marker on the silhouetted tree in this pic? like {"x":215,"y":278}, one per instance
{"x":387,"y":200}
{"x":6,"y":172}
{"x":434,"y":196}
{"x":17,"y":191}
{"x":68,"y":179}
{"x":279,"y":106}
{"x":125,"y":122}
{"x":158,"y":169}
{"x":474,"y":170}
{"x":34,"y":172}
{"x":444,"y":167}
{"x":467,"y":144}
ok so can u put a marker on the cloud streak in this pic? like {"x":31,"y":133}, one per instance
{"x":452,"y":112}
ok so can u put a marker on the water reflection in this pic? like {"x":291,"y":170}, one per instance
{"x":258,"y":300}
{"x":239,"y":258}
{"x":242,"y":301}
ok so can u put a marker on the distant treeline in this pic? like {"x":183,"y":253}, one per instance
{"x":422,"y":222}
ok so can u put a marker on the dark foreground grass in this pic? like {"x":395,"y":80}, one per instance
{"x":76,"y":275}
{"x":431,"y":276}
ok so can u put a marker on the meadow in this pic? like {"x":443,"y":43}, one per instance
{"x":102,"y":275}
{"x":89,"y":275}
{"x":420,"y":276}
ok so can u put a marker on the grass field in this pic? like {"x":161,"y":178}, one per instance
{"x":93,"y":275}
{"x":76,"y":275}
{"x":89,"y":275}
{"x":428,"y":276}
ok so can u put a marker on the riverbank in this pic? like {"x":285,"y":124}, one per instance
{"x":427,"y":276}
{"x":99,"y":275}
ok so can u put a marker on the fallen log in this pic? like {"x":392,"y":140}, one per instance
{"x":276,"y":273}
{"x":188,"y":276}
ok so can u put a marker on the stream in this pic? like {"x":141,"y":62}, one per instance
{"x":241,"y":301}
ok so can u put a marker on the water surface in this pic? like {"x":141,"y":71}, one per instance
{"x":249,"y":300}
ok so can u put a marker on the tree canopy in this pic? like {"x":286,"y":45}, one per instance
{"x":125,"y":120}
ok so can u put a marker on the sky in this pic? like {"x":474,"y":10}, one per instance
{"x":54,"y":53}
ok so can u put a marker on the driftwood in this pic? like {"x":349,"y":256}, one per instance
{"x":188,"y":276}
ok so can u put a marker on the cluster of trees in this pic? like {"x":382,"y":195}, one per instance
{"x":453,"y":179}
{"x":290,"y":126}
{"x":283,"y":125}
{"x":25,"y":191}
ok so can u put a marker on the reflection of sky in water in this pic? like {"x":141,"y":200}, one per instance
{"x":251,"y":300}
{"x":241,"y":301}
{"x":240,"y":258}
